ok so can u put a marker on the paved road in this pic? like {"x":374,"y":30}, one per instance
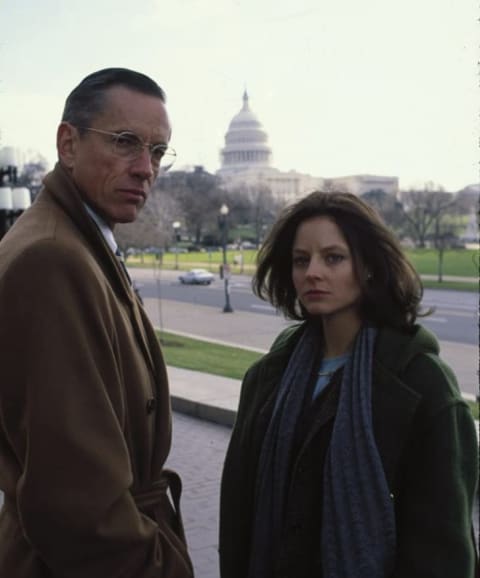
{"x":455,"y":316}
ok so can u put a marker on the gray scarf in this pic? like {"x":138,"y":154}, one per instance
{"x":358,"y":525}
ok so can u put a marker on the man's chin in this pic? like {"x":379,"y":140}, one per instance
{"x":130,"y":216}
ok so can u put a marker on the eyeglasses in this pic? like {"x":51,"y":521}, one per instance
{"x":130,"y":146}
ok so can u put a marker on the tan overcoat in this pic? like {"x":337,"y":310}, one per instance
{"x":85,"y":418}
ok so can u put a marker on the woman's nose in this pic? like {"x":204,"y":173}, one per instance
{"x":315,"y":268}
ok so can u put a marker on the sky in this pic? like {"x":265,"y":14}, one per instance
{"x":342,"y":87}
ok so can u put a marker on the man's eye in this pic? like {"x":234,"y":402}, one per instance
{"x":126,"y":140}
{"x":158,"y":152}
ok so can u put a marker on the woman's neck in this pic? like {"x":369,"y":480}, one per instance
{"x":339,"y":333}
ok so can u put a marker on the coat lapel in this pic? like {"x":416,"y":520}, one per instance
{"x":394,"y":408}
{"x":64,"y":191}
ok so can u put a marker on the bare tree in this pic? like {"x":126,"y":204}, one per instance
{"x":387,"y":206}
{"x":199,"y":196}
{"x":429,"y":216}
{"x":153,"y":228}
{"x":255,"y":205}
{"x":422,"y":209}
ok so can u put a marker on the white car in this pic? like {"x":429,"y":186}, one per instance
{"x":196,"y":277}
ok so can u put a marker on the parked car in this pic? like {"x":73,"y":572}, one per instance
{"x":197,"y":277}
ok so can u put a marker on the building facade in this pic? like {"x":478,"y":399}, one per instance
{"x":361,"y":184}
{"x":246,"y":161}
{"x":246,"y":164}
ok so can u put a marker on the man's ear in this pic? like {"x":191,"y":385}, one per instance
{"x":67,"y":137}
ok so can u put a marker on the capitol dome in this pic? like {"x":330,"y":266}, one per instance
{"x":246,"y":143}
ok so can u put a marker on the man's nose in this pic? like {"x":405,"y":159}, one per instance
{"x":142,"y":165}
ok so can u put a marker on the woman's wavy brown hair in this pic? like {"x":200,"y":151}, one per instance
{"x":392,"y":294}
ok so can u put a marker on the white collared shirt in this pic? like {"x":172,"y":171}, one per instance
{"x":104,"y":229}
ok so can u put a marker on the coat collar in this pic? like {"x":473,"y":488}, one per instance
{"x":59,"y":185}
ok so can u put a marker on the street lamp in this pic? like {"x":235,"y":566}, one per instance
{"x":176,"y":226}
{"x":6,"y":207}
{"x":223,"y":225}
{"x":13,"y":201}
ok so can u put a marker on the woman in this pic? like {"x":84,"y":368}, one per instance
{"x":353,"y":454}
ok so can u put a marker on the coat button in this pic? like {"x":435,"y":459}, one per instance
{"x":150,"y":405}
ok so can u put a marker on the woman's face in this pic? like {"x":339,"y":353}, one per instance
{"x":323,"y":271}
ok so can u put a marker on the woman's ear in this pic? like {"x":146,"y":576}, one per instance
{"x":67,"y":137}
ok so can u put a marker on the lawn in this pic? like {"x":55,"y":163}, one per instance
{"x":210,"y":260}
{"x":458,"y":262}
{"x":474,"y":407}
{"x":205,"y":356}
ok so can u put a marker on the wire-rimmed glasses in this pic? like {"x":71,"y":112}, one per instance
{"x":128,"y":145}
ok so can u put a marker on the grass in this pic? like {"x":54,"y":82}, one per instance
{"x":453,"y":285}
{"x":459,"y":262}
{"x":206,"y":260}
{"x":474,"y":407}
{"x":205,"y":356}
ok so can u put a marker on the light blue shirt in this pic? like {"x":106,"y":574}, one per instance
{"x":327,"y":368}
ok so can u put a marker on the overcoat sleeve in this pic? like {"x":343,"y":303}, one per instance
{"x":439,"y":479}
{"x":66,"y":419}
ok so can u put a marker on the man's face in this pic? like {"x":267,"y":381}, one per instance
{"x":114,"y":186}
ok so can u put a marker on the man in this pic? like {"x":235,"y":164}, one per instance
{"x":85,"y":420}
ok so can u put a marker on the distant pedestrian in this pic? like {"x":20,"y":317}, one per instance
{"x":85,"y":418}
{"x":353,"y":454}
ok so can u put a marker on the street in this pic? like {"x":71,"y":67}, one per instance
{"x":455,"y":316}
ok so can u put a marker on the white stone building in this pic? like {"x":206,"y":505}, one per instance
{"x":246,"y":163}
{"x":361,"y":184}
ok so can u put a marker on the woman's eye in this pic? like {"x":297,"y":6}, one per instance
{"x":300,"y":261}
{"x":334,"y":258}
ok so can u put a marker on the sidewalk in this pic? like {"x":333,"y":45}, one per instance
{"x":216,"y":398}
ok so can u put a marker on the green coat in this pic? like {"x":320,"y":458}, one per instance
{"x":85,"y":418}
{"x":427,"y":442}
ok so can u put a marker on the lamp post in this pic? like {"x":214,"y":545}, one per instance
{"x":176,"y":226}
{"x":223,"y":225}
{"x":13,"y":201}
